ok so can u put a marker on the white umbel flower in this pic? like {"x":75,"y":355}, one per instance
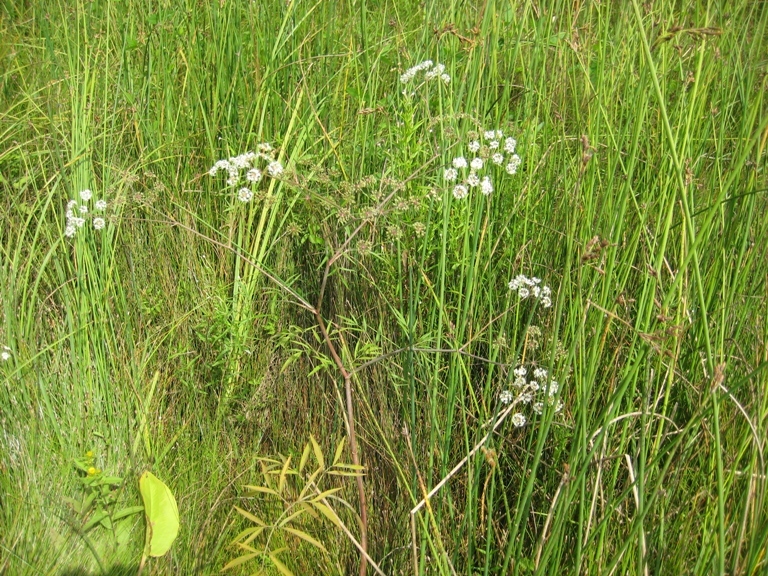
{"x":98,"y":223}
{"x":450,"y":174}
{"x":474,"y":146}
{"x":476,"y":164}
{"x":498,"y":159}
{"x":245,"y":195}
{"x":486,"y":187}
{"x":275,"y":169}
{"x":506,"y":397}
{"x":518,"y":420}
{"x":85,"y":195}
{"x":101,"y":205}
{"x":460,"y":192}
{"x":473,"y":180}
{"x":459,"y":162}
{"x":253,"y":175}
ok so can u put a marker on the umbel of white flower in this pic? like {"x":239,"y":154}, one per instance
{"x":531,"y":288}
{"x":246,"y":166}
{"x":431,"y":71}
{"x":473,"y":173}
{"x":77,"y":213}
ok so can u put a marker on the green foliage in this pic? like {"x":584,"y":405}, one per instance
{"x":299,"y":498}
{"x":161,"y":513}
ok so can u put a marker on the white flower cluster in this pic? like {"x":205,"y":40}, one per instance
{"x":488,"y":150}
{"x":77,"y":214}
{"x":531,"y":287}
{"x":431,"y":72}
{"x":540,"y":385}
{"x":248,"y":163}
{"x":5,"y":355}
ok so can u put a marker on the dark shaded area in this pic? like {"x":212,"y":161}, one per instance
{"x":116,"y":570}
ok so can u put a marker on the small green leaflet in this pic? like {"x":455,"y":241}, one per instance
{"x":161,"y":513}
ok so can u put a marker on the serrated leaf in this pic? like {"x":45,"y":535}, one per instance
{"x":304,"y":456}
{"x":325,"y":511}
{"x":282,"y":568}
{"x":161,"y":513}
{"x":339,"y":451}
{"x":241,"y":560}
{"x":262,"y":489}
{"x":253,"y":518}
{"x":318,"y":452}
{"x":306,"y":537}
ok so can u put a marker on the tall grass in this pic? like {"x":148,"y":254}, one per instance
{"x":641,"y":200}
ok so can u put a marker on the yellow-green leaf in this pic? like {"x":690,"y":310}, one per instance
{"x":306,"y":537}
{"x":318,"y":452}
{"x":262,"y":489}
{"x":304,"y":457}
{"x":339,"y":451}
{"x":241,"y":560}
{"x":280,"y":566}
{"x":283,"y":473}
{"x":251,"y":517}
{"x":161,"y":512}
{"x":327,"y":512}
{"x":325,"y":494}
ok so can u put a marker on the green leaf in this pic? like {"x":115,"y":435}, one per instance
{"x":280,"y":566}
{"x":318,"y":452}
{"x":283,"y":473}
{"x":262,"y":489}
{"x":251,"y":517}
{"x":95,"y":519}
{"x":306,"y":537}
{"x":244,"y":533}
{"x":339,"y":451}
{"x":325,"y":511}
{"x":304,"y":457}
{"x":241,"y":560}
{"x":161,"y":512}
{"x":125,"y":512}
{"x":325,"y":494}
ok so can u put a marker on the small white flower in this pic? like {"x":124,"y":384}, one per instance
{"x":486,"y":187}
{"x":265,"y":147}
{"x":213,"y":171}
{"x":78,"y":222}
{"x":520,"y":371}
{"x":459,"y":162}
{"x":445,"y":78}
{"x":498,"y":159}
{"x":275,"y":169}
{"x":70,"y":230}
{"x":511,"y":169}
{"x":245,"y":195}
{"x":474,"y":146}
{"x":253,"y":175}
{"x":523,"y":292}
{"x":546,"y":301}
{"x":536,"y":280}
{"x":510,"y":144}
{"x":540,"y":373}
{"x":450,"y":174}
{"x":101,"y":205}
{"x":538,"y":407}
{"x":5,"y":355}
{"x":476,"y":164}
{"x":536,"y":291}
{"x":534,"y":385}
{"x":493,"y":144}
{"x":553,"y":388}
{"x":489,"y":134}
{"x":514,"y":163}
{"x":473,"y":179}
{"x":460,"y":192}
{"x":519,"y":382}
{"x":71,"y":204}
{"x":499,"y":134}
{"x":98,"y":223}
{"x":83,"y":209}
{"x":506,"y":397}
{"x":518,"y":420}
{"x":85,"y":195}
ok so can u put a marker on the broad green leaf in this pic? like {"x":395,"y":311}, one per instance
{"x":161,"y":513}
{"x":318,"y":452}
{"x":306,"y":537}
{"x":280,"y":566}
{"x":241,"y":560}
{"x":95,"y":519}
